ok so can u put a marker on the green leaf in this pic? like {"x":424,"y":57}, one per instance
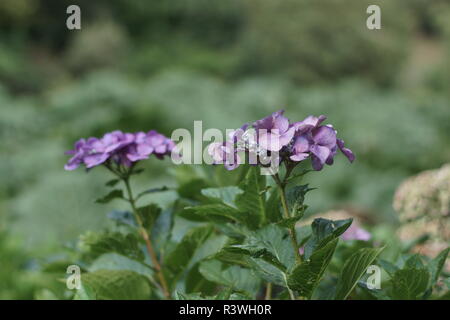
{"x":112,"y":183}
{"x":224,"y":294}
{"x":377,"y":294}
{"x":273,"y":212}
{"x":324,"y":231}
{"x":292,"y":221}
{"x":271,"y":244}
{"x":305,"y":277}
{"x":410,"y":283}
{"x":85,"y":293}
{"x":219,"y":213}
{"x":295,"y":198}
{"x":95,"y":244}
{"x":162,"y":228}
{"x":192,"y":189}
{"x":268,"y":271}
{"x":236,"y":277}
{"x":230,"y":256}
{"x":435,"y":266}
{"x":227,"y":195}
{"x":149,"y":214}
{"x":209,"y":248}
{"x":117,"y":285}
{"x":152,"y":190}
{"x":353,"y":269}
{"x":414,"y":261}
{"x":387,"y":266}
{"x":252,"y":200}
{"x":114,"y":261}
{"x":182,"y":254}
{"x":114,"y":194}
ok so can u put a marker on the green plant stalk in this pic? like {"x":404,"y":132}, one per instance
{"x":147,"y":240}
{"x":268,"y":295}
{"x":292,"y":231}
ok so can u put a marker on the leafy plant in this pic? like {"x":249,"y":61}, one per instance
{"x":238,"y":241}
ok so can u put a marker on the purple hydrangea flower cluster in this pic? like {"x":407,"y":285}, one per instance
{"x":118,"y":147}
{"x":295,"y":142}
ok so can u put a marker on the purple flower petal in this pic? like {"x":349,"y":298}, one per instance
{"x":316,"y":163}
{"x":324,"y":136}
{"x":347,"y":152}
{"x":95,"y":159}
{"x":299,"y":157}
{"x":320,"y":152}
{"x":301,"y":144}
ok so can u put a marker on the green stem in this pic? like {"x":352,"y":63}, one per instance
{"x":268,"y":295}
{"x":292,"y":232}
{"x":147,"y":240}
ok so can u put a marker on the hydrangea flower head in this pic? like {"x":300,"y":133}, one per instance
{"x":294,"y":142}
{"x":120,"y":148}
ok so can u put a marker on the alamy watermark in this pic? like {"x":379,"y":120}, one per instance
{"x":73,"y":21}
{"x":73,"y":281}
{"x":238,"y":146}
{"x":373,"y":22}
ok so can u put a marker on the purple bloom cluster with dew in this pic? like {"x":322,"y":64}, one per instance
{"x":118,"y":147}
{"x":295,"y":142}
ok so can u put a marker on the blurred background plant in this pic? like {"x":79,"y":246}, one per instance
{"x":137,"y":65}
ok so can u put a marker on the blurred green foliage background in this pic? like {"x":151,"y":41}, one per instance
{"x":161,"y":64}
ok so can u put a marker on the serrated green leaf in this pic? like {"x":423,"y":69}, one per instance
{"x":378,"y":294}
{"x":410,"y":283}
{"x":295,"y":197}
{"x":149,"y":214}
{"x":268,"y":271}
{"x":305,"y":277}
{"x":95,"y":244}
{"x":353,"y":270}
{"x":227,"y":195}
{"x":218,"y":212}
{"x":324,"y":231}
{"x":113,"y":194}
{"x":253,"y":200}
{"x":273,"y":212}
{"x":184,"y":251}
{"x":390,"y":268}
{"x":209,"y":248}
{"x":230,"y":256}
{"x":414,"y":261}
{"x":271,"y":244}
{"x":236,"y":277}
{"x":117,"y":285}
{"x":114,"y":261}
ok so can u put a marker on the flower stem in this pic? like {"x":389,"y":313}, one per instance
{"x":292,"y":232}
{"x":147,"y":240}
{"x":268,"y":295}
